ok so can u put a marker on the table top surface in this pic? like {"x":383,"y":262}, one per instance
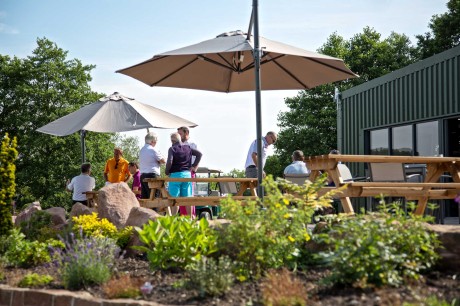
{"x":382,"y":159}
{"x":202,"y":179}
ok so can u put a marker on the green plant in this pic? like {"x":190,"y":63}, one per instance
{"x":175,"y":242}
{"x":86,"y":261}
{"x":92,"y":225}
{"x":380,"y":248}
{"x":38,"y":227}
{"x":20,"y":252}
{"x":33,"y":280}
{"x":123,"y":287}
{"x":271,"y":234}
{"x":282,"y":288}
{"x":434,"y":301}
{"x":8,"y":155}
{"x":211,"y":276}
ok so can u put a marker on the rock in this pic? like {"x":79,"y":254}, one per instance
{"x":79,"y":209}
{"x":57,"y":216}
{"x":138,"y":217}
{"x":115,"y":202}
{"x":27,"y":212}
{"x":449,"y":235}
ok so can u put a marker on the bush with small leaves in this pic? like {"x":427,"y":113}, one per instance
{"x":380,"y":248}
{"x":271,"y":234}
{"x":19,"y":252}
{"x":34,"y":280}
{"x":211,"y":277}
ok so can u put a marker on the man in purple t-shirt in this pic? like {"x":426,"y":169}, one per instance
{"x":134,"y":170}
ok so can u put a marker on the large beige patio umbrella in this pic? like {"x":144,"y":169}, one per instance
{"x":236,"y":61}
{"x":113,"y":113}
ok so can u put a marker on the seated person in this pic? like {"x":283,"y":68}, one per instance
{"x":81,"y":183}
{"x":298,"y":165}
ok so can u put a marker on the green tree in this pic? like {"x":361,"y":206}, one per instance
{"x":310,"y":124}
{"x":444,"y":32}
{"x":33,"y":92}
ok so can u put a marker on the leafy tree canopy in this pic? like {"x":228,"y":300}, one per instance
{"x":310,"y":124}
{"x":33,"y":92}
{"x":444,"y":32}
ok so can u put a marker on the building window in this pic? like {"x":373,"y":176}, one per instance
{"x":379,"y":142}
{"x":427,"y":138}
{"x":402,"y":143}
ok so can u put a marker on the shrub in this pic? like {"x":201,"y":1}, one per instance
{"x":8,"y":155}
{"x":34,"y":280}
{"x":211,"y":276}
{"x":92,"y":226}
{"x":20,"y":252}
{"x":175,"y":242}
{"x":273,"y":233}
{"x":123,"y":287}
{"x":39,"y":227}
{"x":282,"y":288}
{"x":380,"y":248}
{"x":86,"y":261}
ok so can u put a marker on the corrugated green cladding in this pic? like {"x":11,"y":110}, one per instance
{"x":426,"y":90}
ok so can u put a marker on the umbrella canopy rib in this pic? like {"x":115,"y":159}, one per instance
{"x":290,"y":74}
{"x":173,"y":72}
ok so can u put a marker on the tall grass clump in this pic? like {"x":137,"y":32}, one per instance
{"x":86,"y":261}
{"x":271,"y":234}
{"x":382,"y":248}
{"x":283,"y":288}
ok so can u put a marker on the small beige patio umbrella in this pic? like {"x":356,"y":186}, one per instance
{"x":113,"y":113}
{"x":236,"y":61}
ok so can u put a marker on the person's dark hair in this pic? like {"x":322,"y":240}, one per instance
{"x":135,"y":164}
{"x":85,"y":167}
{"x":184,"y":129}
{"x":298,"y":155}
{"x":334,"y":152}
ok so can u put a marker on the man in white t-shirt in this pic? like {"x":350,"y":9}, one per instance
{"x":81,"y":183}
{"x":251,"y":159}
{"x":298,"y":165}
{"x":150,"y":160}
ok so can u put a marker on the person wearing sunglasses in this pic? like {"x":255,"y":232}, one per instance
{"x":251,"y":159}
{"x":116,"y":168}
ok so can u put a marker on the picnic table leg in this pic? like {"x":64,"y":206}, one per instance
{"x":346,"y":205}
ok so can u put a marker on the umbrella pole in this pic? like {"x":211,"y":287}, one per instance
{"x":260,"y":169}
{"x":83,"y":146}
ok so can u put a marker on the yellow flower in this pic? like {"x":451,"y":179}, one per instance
{"x":278,"y":205}
{"x":286,"y":202}
{"x":307,"y":237}
{"x":291,"y":239}
{"x":287,"y":216}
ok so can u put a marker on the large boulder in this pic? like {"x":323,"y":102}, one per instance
{"x":27,"y":212}
{"x":115,"y":202}
{"x":79,"y":209}
{"x":138,"y":217}
{"x":449,"y":235}
{"x":57,"y":216}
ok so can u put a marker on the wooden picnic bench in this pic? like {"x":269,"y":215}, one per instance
{"x":422,"y":192}
{"x":167,"y":201}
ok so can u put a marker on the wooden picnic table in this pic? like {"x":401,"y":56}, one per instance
{"x":166,"y":200}
{"x":430,"y":188}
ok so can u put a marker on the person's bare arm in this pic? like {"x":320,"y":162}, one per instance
{"x":254,"y":158}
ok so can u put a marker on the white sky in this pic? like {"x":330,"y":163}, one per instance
{"x":114,"y":34}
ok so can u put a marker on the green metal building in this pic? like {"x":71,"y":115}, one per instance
{"x":412,"y":111}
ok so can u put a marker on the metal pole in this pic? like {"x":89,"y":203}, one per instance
{"x":83,"y":147}
{"x":258,"y":98}
{"x":339,"y":119}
